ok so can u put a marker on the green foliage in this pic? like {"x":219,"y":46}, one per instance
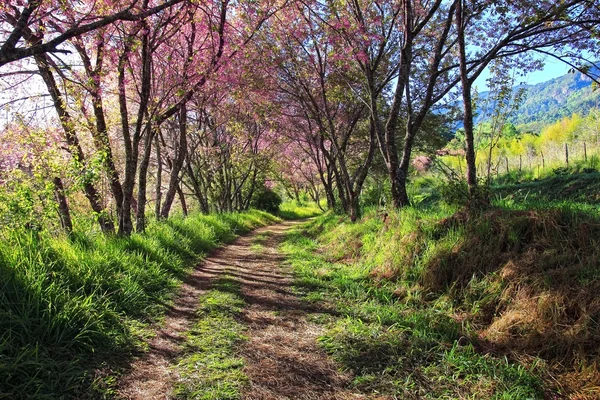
{"x":376,"y":192}
{"x":455,"y":192}
{"x":267,"y":200}
{"x":68,"y":304}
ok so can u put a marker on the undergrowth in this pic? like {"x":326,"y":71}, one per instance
{"x":441,"y":303}
{"x":68,"y":305}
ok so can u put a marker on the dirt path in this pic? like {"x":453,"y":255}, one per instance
{"x":282,"y":358}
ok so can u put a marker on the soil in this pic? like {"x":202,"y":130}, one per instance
{"x":282,"y":357}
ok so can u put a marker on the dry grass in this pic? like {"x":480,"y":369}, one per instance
{"x":546,"y":266}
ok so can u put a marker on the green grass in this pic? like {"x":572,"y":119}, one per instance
{"x":397,"y":336}
{"x":211,"y":370}
{"x":567,"y":191}
{"x":293,"y":210}
{"x":68,"y":305}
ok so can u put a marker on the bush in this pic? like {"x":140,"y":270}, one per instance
{"x":456,"y":192}
{"x":266,"y":200}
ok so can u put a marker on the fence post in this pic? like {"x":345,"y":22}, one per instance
{"x":520,"y":162}
{"x":567,"y":154}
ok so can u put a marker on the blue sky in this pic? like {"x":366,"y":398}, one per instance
{"x":552,"y":69}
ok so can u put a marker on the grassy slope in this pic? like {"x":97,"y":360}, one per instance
{"x":441,"y":304}
{"x":67,"y":305}
{"x":572,"y":190}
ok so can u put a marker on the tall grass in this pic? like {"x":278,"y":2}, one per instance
{"x":68,"y":303}
{"x":498,"y":303}
{"x":393,"y":337}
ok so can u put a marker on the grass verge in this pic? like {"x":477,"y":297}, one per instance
{"x":442,"y":305}
{"x":68,"y":305}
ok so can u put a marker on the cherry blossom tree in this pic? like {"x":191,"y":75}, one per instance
{"x":318,"y":85}
{"x":33,"y":15}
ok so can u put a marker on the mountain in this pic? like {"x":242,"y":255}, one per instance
{"x":550,"y":101}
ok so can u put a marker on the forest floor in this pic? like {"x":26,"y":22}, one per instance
{"x":261,"y":343}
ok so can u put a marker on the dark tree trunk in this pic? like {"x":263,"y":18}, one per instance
{"x":198,"y":192}
{"x":467,"y":102}
{"x":63,"y":206}
{"x":520,"y":162}
{"x":100,"y":131}
{"x":177,"y":163}
{"x":181,"y":196}
{"x":132,"y":143}
{"x":354,"y":207}
{"x":341,"y":192}
{"x":158,"y":177}
{"x":143,"y":181}
{"x":248,"y":199}
{"x":103,"y":144}
{"x":386,"y":137}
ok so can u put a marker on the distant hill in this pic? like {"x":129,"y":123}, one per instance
{"x":549,"y":101}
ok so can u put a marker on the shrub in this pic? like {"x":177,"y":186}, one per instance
{"x":456,"y":192}
{"x":266,"y":200}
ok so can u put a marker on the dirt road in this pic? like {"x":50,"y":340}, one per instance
{"x":281,"y":356}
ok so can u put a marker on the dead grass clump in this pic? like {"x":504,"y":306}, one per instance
{"x":401,"y":252}
{"x":345,"y":249}
{"x":547,"y":263}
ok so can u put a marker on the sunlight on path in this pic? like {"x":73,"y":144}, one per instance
{"x":282,"y":357}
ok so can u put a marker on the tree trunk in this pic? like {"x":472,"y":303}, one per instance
{"x":143,"y":181}
{"x":401,"y":176}
{"x":102,"y":143}
{"x":177,"y":163}
{"x":198,"y":192}
{"x":181,"y":196}
{"x":520,"y":162}
{"x":158,"y":177}
{"x":132,"y":143}
{"x":100,"y":131}
{"x":543,"y":160}
{"x":63,"y":206}
{"x":106,"y":224}
{"x":467,"y":102}
{"x":341,"y":192}
{"x":354,"y":205}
